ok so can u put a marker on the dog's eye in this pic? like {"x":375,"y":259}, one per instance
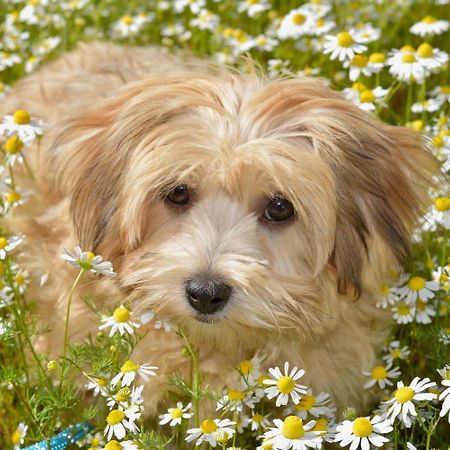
{"x":179,"y":195}
{"x":278,"y":210}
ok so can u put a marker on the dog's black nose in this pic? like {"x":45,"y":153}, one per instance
{"x":207,"y":296}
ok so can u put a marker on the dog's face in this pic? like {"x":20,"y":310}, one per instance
{"x":236,"y":201}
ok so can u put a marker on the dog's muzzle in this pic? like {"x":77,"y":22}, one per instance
{"x":207,"y":296}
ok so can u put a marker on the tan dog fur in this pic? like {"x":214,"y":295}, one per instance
{"x":125,"y":125}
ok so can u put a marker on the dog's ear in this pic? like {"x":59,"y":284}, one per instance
{"x":382,"y":175}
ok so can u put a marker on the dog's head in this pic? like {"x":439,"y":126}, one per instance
{"x":233,"y":201}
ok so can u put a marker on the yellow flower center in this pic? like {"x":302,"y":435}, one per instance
{"x":320,"y":23}
{"x":266,"y":444}
{"x":101,"y":381}
{"x":208,"y":426}
{"x":379,"y":373}
{"x":3,"y":242}
{"x":127,"y":20}
{"x":235,"y":395}
{"x":13,"y":197}
{"x":298,"y":19}
{"x":113,"y":445}
{"x":16,"y":437}
{"x":245,"y":367}
{"x":221,"y":436}
{"x":377,"y":58}
{"x":359,"y":87}
{"x":404,"y":394}
{"x":21,"y":117}
{"x":425,"y":50}
{"x":441,"y":204}
{"x":321,"y":425}
{"x":366,"y":96}
{"x":421,"y":305}
{"x":257,"y":418}
{"x":408,"y":48}
{"x":359,"y":61}
{"x":261,"y":379}
{"x":176,"y":413}
{"x":444,"y":89}
{"x":285,"y":384}
{"x":89,"y":256}
{"x":13,"y":145}
{"x":384,"y":290}
{"x":115,"y":416}
{"x":121,"y":314}
{"x":20,"y":279}
{"x":437,"y":141}
{"x":417,"y":125}
{"x":428,"y":19}
{"x":416,"y":283}
{"x":292,"y":428}
{"x":396,"y":353}
{"x":403,"y":309}
{"x":129,"y":366}
{"x":95,"y":442}
{"x":306,"y":403}
{"x":408,"y":58}
{"x":362,"y":427}
{"x":344,"y":39}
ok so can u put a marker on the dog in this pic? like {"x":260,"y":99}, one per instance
{"x":256,"y":214}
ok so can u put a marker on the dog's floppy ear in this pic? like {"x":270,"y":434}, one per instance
{"x":382,"y":175}
{"x":89,"y":160}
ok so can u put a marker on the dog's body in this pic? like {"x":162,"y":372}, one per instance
{"x":125,"y":126}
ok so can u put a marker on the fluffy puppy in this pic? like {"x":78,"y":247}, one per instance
{"x":256,"y":214}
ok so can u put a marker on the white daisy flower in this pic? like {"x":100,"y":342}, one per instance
{"x":315,"y":406}
{"x":283,"y":386}
{"x":357,"y":65}
{"x":126,"y":397}
{"x":129,"y":25}
{"x":431,"y":58}
{"x":265,"y":43}
{"x":13,"y":151}
{"x":381,"y":375}
{"x":444,"y":336}
{"x":430,"y":105}
{"x":404,"y":66}
{"x":15,"y":197}
{"x":291,"y":433}
{"x":118,"y":421}
{"x":369,"y":98}
{"x":441,"y":93}
{"x":235,"y":400}
{"x":405,"y":397}
{"x":444,"y":396}
{"x":88,"y":261}
{"x":418,"y":287}
{"x":18,"y":436}
{"x":441,"y":212}
{"x":322,"y":26}
{"x":9,"y":244}
{"x":130,"y":369}
{"x":430,"y":26}
{"x":403,"y":312}
{"x":343,"y":46}
{"x":376,"y":62}
{"x":253,"y":7}
{"x":424,"y":312}
{"x":297,"y":23}
{"x":98,"y":385}
{"x":194,"y":5}
{"x":363,"y":432}
{"x":325,"y":428}
{"x":367,"y":33}
{"x":258,"y":421}
{"x":174,"y":416}
{"x":388,"y":296}
{"x":396,"y":352}
{"x":22,"y":125}
{"x":120,"y":321}
{"x":21,"y":280}
{"x":124,"y":445}
{"x":211,"y":431}
{"x":205,"y":20}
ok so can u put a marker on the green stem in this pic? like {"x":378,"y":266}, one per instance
{"x":66,"y":324}
{"x":408,"y":103}
{"x":27,"y":166}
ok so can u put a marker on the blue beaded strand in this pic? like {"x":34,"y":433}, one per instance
{"x":63,"y":439}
